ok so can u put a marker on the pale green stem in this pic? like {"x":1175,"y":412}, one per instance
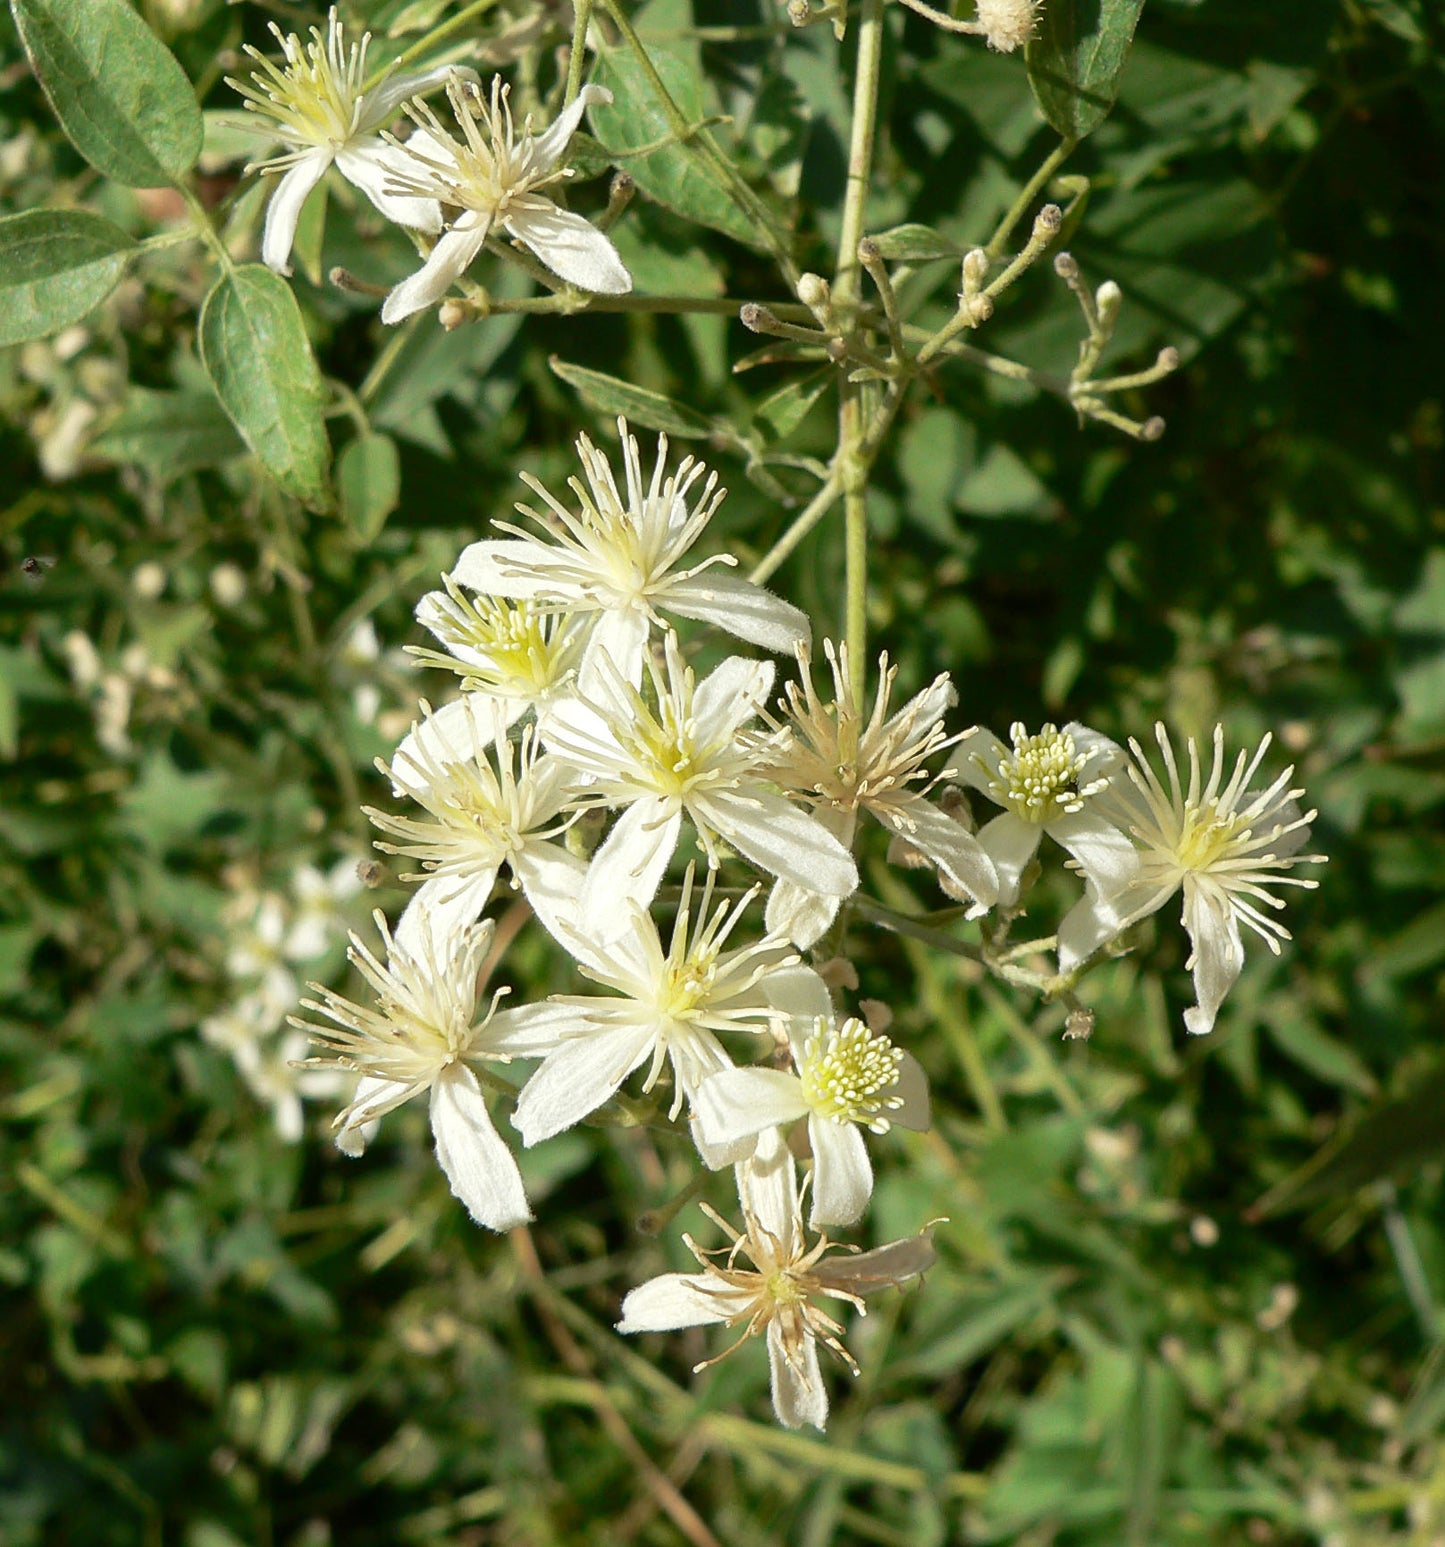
{"x":817,"y":507}
{"x":577,"y":59}
{"x":852,"y":462}
{"x":1030,"y":191}
{"x":438,"y":34}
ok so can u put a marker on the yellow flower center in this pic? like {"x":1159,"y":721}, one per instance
{"x":1039,"y":781}
{"x":848,"y":1073}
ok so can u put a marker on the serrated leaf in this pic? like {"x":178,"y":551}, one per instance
{"x":169,"y":433}
{"x":1076,"y":58}
{"x":637,"y":405}
{"x":674,"y":173}
{"x":256,"y":352}
{"x":121,"y":97}
{"x":56,"y":266}
{"x":368,"y":484}
{"x":779,"y":414}
{"x":915,"y":243}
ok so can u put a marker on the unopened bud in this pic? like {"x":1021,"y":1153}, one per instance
{"x":814,"y":292}
{"x":1047,"y":222}
{"x":979,"y":308}
{"x":1007,"y":24}
{"x":800,"y":13}
{"x":754,"y":317}
{"x":975,"y":270}
{"x":1066,"y":266}
{"x":344,"y":279}
{"x":1108,"y":298}
{"x":1151,"y":429}
{"x":148,"y":580}
{"x":1168,"y":358}
{"x":370,"y":872}
{"x":228,"y":584}
{"x":453,"y":314}
{"x":837,"y":350}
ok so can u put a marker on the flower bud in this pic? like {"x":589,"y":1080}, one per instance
{"x":975,"y":270}
{"x":1047,"y":222}
{"x":1108,"y":298}
{"x":1008,"y":24}
{"x":1066,"y":266}
{"x":228,"y":584}
{"x":148,"y":580}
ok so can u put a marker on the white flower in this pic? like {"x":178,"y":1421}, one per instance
{"x":830,"y":756}
{"x":776,"y":1295}
{"x":684,"y":756}
{"x":488,"y":804}
{"x":318,"y":919}
{"x":493,"y":176}
{"x":1008,"y":24}
{"x":673,"y":1004}
{"x":515,"y":654}
{"x":1048,"y":783}
{"x":848,"y":1077}
{"x":423,"y":1035}
{"x":618,"y":558}
{"x":1222,"y":842}
{"x":316,"y":105}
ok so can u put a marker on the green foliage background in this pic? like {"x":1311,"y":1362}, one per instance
{"x":209,"y":1337}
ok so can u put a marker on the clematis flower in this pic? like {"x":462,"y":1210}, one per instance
{"x":493,"y":175}
{"x":842,"y":764}
{"x":316,"y":105}
{"x":423,"y":1035}
{"x":512,"y":654}
{"x":775,"y":1294}
{"x":1048,"y":783}
{"x":1222,"y":843}
{"x":672,"y":1003}
{"x":487,"y":804}
{"x":618,"y":559}
{"x":848,"y":1077}
{"x":684,"y":757}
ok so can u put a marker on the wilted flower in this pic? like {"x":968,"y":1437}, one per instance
{"x":776,"y":1294}
{"x":682,"y":756}
{"x":423,"y":1035}
{"x":617,"y":558}
{"x":1223,"y":843}
{"x":493,"y":175}
{"x":1008,"y":24}
{"x":673,"y":1004}
{"x":316,"y":105}
{"x":848,"y":1078}
{"x":1048,"y":783}
{"x":843,"y":764}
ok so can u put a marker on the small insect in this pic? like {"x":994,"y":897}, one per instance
{"x":34,"y":569}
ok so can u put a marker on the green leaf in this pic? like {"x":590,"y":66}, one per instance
{"x":56,"y":266}
{"x":368,"y":483}
{"x":779,"y":414}
{"x":117,"y":90}
{"x":673,"y":173}
{"x":1075,"y":61}
{"x":914,"y":243}
{"x":169,"y":433}
{"x":1392,"y":1140}
{"x":637,"y":405}
{"x":255,"y":350}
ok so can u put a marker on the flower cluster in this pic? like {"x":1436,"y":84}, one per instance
{"x":318,"y":105}
{"x":588,"y":758}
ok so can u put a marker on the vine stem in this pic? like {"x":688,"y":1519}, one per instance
{"x":853,"y":463}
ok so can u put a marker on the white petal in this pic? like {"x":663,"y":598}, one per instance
{"x":551,"y":879}
{"x":1010,"y":843}
{"x":533,"y":1030}
{"x":950,"y":846}
{"x":979,"y":758}
{"x":358,"y":1133}
{"x":719,"y":597}
{"x":1105,"y":756}
{"x":768,"y":1190}
{"x":797,"y":992}
{"x":732,"y":1152}
{"x":452,"y":256}
{"x":764,"y":828}
{"x":477,"y":1163}
{"x":629,"y":867}
{"x":381,"y":104}
{"x":677,"y":1300}
{"x":374,"y":167}
{"x":1218,"y":956}
{"x":513,"y":567}
{"x":739,"y":1103}
{"x":799,"y":1395}
{"x":547,"y":148}
{"x":842,"y":1175}
{"x":730,"y":696}
{"x":576,"y":1079}
{"x":442,"y":907}
{"x":912,"y":1088}
{"x":1106,"y":856}
{"x":620,"y":634}
{"x":571,"y":247}
{"x":804,"y":917}
{"x":284,"y":209}
{"x":885,"y":1267}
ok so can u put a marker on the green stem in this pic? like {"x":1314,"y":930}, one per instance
{"x":1030,"y":191}
{"x":205,"y":228}
{"x":438,"y":34}
{"x":817,"y":507}
{"x":581,"y":19}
